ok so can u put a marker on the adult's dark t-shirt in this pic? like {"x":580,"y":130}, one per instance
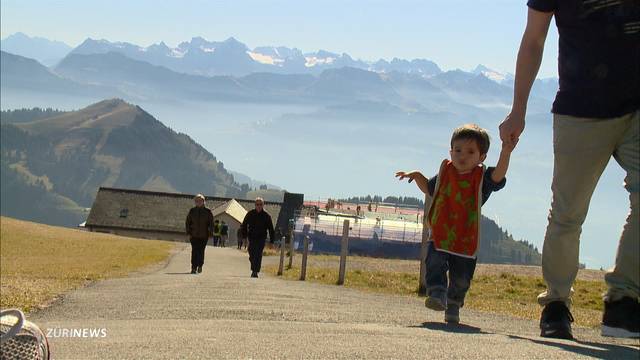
{"x":599,"y":56}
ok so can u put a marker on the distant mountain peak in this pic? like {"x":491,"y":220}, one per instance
{"x":47,"y":52}
{"x":162,"y":44}
{"x":198,"y":39}
{"x":232,"y":43}
{"x":480,"y":69}
{"x":96,"y":41}
{"x":112,"y":102}
{"x":105,"y":115}
{"x":491,"y":74}
{"x":326,"y":54}
{"x":110,"y":143}
{"x":19,"y":35}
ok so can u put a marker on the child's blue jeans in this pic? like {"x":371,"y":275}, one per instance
{"x":457,"y":283}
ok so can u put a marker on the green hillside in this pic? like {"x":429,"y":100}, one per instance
{"x":59,"y":162}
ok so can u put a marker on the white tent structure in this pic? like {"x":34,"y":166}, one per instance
{"x":232,"y":213}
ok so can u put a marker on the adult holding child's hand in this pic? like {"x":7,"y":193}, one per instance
{"x":511,"y":128}
{"x":596,"y":116}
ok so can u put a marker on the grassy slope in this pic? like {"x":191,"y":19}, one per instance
{"x":39,"y":262}
{"x":502,"y":289}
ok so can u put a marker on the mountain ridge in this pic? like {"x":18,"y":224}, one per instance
{"x":264,"y":58}
{"x":110,"y":143}
{"x":203,"y":57}
{"x":46,"y":51}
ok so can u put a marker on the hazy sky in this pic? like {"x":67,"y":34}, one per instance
{"x":453,"y":33}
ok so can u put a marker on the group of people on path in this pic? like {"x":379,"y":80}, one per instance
{"x":220,"y":233}
{"x":200,"y":226}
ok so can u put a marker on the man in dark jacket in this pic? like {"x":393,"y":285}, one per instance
{"x":199,"y":227}
{"x":254,"y":227}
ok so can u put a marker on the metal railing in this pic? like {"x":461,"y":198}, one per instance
{"x":376,"y":229}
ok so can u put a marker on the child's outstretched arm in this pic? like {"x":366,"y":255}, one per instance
{"x":503,"y":162}
{"x":416,"y":175}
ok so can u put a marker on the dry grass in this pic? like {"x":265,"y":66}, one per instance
{"x":503,"y":289}
{"x":413,"y":266}
{"x":39,"y":262}
{"x":270,"y":250}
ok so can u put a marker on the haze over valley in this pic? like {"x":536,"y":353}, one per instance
{"x":318,"y":123}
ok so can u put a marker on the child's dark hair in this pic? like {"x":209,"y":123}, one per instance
{"x":472,"y":132}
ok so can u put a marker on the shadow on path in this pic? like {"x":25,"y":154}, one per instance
{"x":454,"y":328}
{"x":178,"y":273}
{"x":586,"y":348}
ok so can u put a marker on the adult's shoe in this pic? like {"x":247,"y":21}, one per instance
{"x":621,"y":318}
{"x":556,"y":320}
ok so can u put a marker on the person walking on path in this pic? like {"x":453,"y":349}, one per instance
{"x":596,"y":115}
{"x":224,"y":234}
{"x":254,"y":227}
{"x":459,"y":190}
{"x":239,"y":238}
{"x":216,"y":233}
{"x":199,"y":226}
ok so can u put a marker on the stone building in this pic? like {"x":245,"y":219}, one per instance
{"x":161,"y":215}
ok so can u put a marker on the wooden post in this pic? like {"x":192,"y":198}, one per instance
{"x":344,"y":249}
{"x":291,"y":250}
{"x":422,"y":286}
{"x":281,"y":267}
{"x":305,"y":252}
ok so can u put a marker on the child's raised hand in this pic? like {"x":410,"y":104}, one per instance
{"x":412,"y":175}
{"x":416,"y":175}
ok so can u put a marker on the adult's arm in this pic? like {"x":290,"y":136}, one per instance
{"x":243,"y":227}
{"x":272,"y":235}
{"x":210,"y":224}
{"x":187,"y":223}
{"x":527,"y":66}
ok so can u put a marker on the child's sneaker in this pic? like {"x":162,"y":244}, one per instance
{"x":452,"y":314}
{"x":621,"y":318}
{"x":436,"y":301}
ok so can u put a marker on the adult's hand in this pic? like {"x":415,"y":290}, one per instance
{"x":511,"y":128}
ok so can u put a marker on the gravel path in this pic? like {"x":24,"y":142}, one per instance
{"x":223,"y":313}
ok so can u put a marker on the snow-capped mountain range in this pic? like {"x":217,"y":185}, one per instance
{"x":199,"y":56}
{"x":115,"y":64}
{"x":232,"y":57}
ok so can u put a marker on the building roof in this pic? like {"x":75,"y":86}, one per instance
{"x":233,"y":209}
{"x":156,"y":211}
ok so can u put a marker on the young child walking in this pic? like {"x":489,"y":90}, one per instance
{"x":460,"y":188}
